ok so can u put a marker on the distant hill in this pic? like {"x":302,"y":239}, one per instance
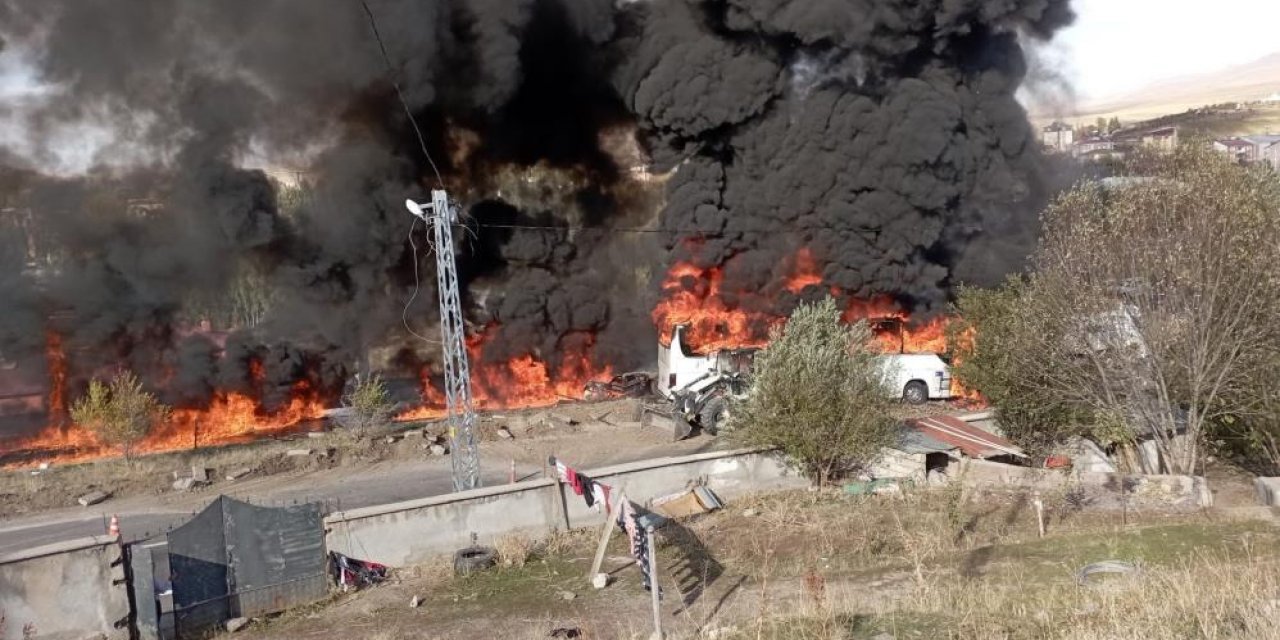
{"x":1248,"y":82}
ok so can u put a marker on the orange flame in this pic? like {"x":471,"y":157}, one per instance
{"x":522,"y":382}
{"x":692,"y":297}
{"x":57,"y":363}
{"x":230,"y":417}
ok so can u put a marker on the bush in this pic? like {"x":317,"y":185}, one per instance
{"x":370,"y":405}
{"x":119,"y":414}
{"x":819,"y":394}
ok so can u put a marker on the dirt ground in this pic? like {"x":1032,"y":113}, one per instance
{"x":925,"y":564}
{"x":574,"y":430}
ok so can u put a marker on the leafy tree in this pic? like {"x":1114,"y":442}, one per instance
{"x":368,"y":405}
{"x":988,"y":342}
{"x":1149,"y":310}
{"x":120,"y":413}
{"x":1100,"y":125}
{"x":819,"y":394}
{"x":1114,"y":125}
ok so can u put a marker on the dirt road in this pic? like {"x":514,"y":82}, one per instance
{"x":352,"y":485}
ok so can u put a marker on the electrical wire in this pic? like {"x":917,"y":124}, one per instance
{"x":422,"y":144}
{"x":404,"y":313}
{"x":391,"y":76}
{"x":690,"y":231}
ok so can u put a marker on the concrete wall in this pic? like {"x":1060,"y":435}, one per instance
{"x":67,"y":591}
{"x":1103,"y":490}
{"x":1268,"y":491}
{"x":410,"y":532}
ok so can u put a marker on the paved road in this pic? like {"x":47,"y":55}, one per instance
{"x":347,"y":487}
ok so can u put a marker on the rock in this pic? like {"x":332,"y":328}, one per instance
{"x":239,"y":473}
{"x":600,"y":580}
{"x":413,"y":433}
{"x":504,"y":433}
{"x":315,"y":434}
{"x":936,"y":478}
{"x":560,"y":417}
{"x":236,"y":624}
{"x":185,"y":484}
{"x":438,"y":450}
{"x":199,"y":474}
{"x":93,"y":498}
{"x":392,"y":439}
{"x":567,"y":595}
{"x":415,"y":602}
{"x":298,"y":452}
{"x":750,"y":513}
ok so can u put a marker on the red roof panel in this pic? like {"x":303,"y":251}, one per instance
{"x":971,"y":441}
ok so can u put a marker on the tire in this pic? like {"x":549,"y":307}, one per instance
{"x":915,"y":392}
{"x":473,"y":559}
{"x":712,"y":415}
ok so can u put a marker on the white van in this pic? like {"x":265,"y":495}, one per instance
{"x":917,"y":377}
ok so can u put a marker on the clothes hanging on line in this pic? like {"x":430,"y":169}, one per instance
{"x":595,"y":494}
{"x":629,"y":522}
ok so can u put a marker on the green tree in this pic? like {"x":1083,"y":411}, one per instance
{"x":1114,"y":125}
{"x":120,"y":413}
{"x":1149,"y":310}
{"x":1100,"y":125}
{"x":819,"y":394}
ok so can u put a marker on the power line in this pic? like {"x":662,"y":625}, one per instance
{"x":688,"y":231}
{"x":391,"y":75}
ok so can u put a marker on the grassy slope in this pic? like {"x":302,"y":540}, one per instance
{"x":940,"y":564}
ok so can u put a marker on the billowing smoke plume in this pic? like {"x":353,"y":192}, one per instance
{"x":883,"y":135}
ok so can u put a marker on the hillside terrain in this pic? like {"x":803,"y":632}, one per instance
{"x":1250,"y":82}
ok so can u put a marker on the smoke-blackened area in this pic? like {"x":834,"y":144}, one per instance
{"x":882,"y":136}
{"x":210,"y":193}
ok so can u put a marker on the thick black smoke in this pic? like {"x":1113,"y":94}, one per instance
{"x":884,"y":135}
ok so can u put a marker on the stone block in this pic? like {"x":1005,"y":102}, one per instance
{"x":93,"y":498}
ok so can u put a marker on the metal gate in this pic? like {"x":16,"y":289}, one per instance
{"x":235,"y":559}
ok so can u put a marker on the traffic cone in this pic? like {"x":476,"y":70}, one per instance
{"x":113,"y":529}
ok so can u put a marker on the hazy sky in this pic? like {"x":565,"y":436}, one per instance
{"x":1119,"y":45}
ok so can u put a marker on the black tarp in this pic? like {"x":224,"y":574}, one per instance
{"x":236,"y":559}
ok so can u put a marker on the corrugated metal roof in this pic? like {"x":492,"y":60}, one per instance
{"x":958,"y":434}
{"x":913,"y":440}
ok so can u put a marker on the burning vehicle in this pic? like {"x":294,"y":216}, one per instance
{"x":698,"y":388}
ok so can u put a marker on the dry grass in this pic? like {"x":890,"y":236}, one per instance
{"x":825,"y":566}
{"x":1212,"y":597}
{"x":513,"y":550}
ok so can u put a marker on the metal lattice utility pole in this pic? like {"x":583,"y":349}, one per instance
{"x":461,"y":416}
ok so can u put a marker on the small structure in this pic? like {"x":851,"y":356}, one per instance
{"x":1094,"y":146}
{"x":1262,"y":148}
{"x":1058,"y":137}
{"x":931,"y":444}
{"x":1164,"y":138}
{"x":1234,"y":148}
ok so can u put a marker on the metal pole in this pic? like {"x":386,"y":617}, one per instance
{"x":653,"y":584}
{"x":460,"y":414}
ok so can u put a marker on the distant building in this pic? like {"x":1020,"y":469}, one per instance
{"x":1058,"y":137}
{"x":1092,"y":146}
{"x":1235,"y":148}
{"x":1262,"y":148}
{"x":1164,"y":138}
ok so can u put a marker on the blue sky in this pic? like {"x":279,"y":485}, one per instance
{"x":1116,"y":46}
